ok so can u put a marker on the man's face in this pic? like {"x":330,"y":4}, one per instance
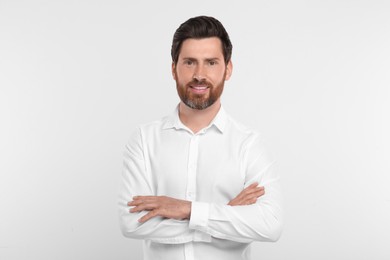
{"x":200,"y":72}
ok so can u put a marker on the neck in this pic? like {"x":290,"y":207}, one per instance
{"x":198,"y":119}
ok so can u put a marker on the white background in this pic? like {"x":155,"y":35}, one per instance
{"x":76,"y":77}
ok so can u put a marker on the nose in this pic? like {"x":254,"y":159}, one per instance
{"x":199,"y":74}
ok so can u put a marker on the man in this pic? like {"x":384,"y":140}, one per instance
{"x":191,"y":180}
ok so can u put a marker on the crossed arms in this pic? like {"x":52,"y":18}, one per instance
{"x":172,"y":208}
{"x":254,"y":214}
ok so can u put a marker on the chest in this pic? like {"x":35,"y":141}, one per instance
{"x":210,"y":166}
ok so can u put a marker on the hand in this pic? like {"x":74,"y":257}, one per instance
{"x":162,"y":206}
{"x":248,"y":196}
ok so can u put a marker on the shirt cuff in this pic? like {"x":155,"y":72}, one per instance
{"x":199,"y":215}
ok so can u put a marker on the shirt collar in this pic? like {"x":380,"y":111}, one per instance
{"x":173,"y":121}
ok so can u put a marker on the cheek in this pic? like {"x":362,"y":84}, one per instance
{"x":183,"y":77}
{"x":218,"y":76}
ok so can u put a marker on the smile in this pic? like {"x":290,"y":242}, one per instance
{"x":199,"y":89}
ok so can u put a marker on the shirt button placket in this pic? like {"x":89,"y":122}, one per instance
{"x":192,"y":168}
{"x":191,"y":185}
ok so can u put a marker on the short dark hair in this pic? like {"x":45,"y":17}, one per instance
{"x":198,"y":28}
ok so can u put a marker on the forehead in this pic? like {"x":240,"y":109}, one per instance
{"x":201,"y":48}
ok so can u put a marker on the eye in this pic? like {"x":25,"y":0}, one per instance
{"x":212,"y":62}
{"x":188,"y":62}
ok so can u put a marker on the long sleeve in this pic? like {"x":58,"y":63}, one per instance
{"x":137,"y":181}
{"x":208,"y":168}
{"x":261,"y":221}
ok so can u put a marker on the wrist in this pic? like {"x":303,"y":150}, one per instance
{"x":188,"y":205}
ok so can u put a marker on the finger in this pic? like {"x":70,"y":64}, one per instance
{"x":151,"y":214}
{"x":244,"y":193}
{"x":259,"y":190}
{"x":144,"y":197}
{"x":255,"y":194}
{"x":134,"y":203}
{"x":247,"y":201}
{"x":251,"y":201}
{"x":137,"y":200}
{"x":250,"y":193}
{"x":250,"y":188}
{"x":259,"y":193}
{"x":232,"y":203}
{"x":145,"y":206}
{"x":239,"y":199}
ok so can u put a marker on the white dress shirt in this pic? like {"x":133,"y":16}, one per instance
{"x":209,"y":168}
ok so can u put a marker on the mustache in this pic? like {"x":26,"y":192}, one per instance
{"x":199,"y":82}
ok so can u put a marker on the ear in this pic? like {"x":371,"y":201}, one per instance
{"x":229,"y":70}
{"x":173,"y":70}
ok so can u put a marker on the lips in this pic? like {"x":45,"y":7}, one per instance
{"x":199,"y":89}
{"x":202,"y":87}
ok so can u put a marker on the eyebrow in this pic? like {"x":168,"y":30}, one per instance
{"x":212,"y":59}
{"x":207,"y":59}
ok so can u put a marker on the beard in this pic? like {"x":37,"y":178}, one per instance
{"x":200,"y":101}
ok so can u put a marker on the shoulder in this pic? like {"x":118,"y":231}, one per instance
{"x":144,"y":130}
{"x":155,"y":125}
{"x":242,"y":131}
{"x":251,"y":140}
